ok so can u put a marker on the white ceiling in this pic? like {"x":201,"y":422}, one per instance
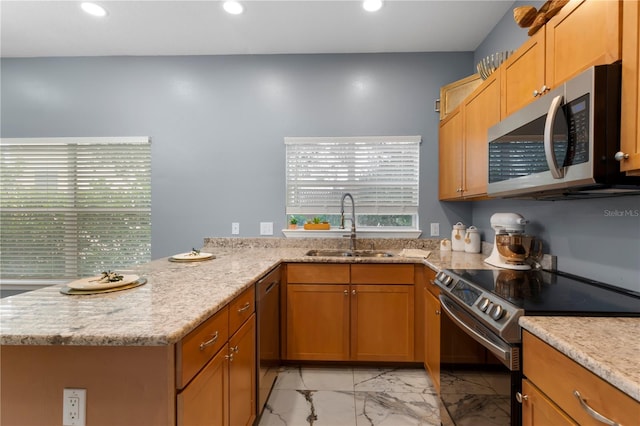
{"x":147,"y":27}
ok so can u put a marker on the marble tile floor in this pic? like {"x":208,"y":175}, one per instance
{"x":345,"y":396}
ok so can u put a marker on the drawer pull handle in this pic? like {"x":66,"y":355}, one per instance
{"x":244,"y":307}
{"x":520,"y":397}
{"x":209,"y":342}
{"x":593,"y":413}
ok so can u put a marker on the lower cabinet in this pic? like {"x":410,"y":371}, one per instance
{"x":365,"y":318}
{"x":432,"y":315}
{"x":216,"y":374}
{"x":559,"y":391}
{"x":204,"y":401}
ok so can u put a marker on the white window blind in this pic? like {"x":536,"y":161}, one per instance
{"x":73,"y":207}
{"x":382,"y":174}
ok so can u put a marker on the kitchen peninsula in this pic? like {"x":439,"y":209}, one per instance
{"x":121,"y":346}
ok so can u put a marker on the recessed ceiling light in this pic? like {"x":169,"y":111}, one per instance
{"x":93,"y":9}
{"x":372,"y":5}
{"x":233,"y":7}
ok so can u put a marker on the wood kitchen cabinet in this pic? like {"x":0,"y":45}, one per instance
{"x":523,"y":75}
{"x":450,"y":143}
{"x":346,"y":312}
{"x":552,"y":379}
{"x":584,"y":33}
{"x":630,"y":122}
{"x":432,"y":329}
{"x":224,"y":391}
{"x":463,"y":143}
{"x":481,"y":111}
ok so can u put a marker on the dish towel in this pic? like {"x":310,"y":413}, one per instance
{"x":415,"y":253}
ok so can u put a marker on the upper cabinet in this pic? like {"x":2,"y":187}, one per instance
{"x":463,"y":142}
{"x":629,"y":134}
{"x":523,"y":75}
{"x":584,"y":33}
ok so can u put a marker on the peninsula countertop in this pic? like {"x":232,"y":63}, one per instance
{"x":176,"y":298}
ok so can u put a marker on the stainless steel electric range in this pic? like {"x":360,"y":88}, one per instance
{"x":486,"y":305}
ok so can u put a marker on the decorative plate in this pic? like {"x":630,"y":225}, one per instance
{"x":191,"y":257}
{"x":96,"y":283}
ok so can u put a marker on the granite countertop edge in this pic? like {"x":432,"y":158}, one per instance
{"x":591,"y":342}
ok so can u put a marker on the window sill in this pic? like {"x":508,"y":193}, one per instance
{"x":361,"y":233}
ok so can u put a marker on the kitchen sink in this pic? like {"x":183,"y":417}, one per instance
{"x":348,"y":253}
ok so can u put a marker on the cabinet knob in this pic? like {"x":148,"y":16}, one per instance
{"x":621,"y":156}
{"x":346,"y":292}
{"x":229,"y":357}
{"x":353,"y":292}
{"x":437,"y":311}
{"x":520,"y":397}
{"x":235,"y":349}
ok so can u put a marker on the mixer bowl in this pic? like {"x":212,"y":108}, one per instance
{"x":517,"y":248}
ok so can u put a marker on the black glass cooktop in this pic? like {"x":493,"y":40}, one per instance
{"x":541,"y":292}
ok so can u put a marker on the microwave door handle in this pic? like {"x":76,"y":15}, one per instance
{"x":550,"y":155}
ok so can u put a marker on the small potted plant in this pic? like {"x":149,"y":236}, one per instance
{"x":293,"y":223}
{"x":317,"y":224}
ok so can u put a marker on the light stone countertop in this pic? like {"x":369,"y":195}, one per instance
{"x":608,"y":347}
{"x":179,"y":296}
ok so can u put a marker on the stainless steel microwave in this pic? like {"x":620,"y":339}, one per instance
{"x":563,"y":145}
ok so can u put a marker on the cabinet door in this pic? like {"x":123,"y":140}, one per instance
{"x":317,"y":322}
{"x":584,"y":33}
{"x":481,"y":111}
{"x":204,"y":402}
{"x":630,"y":123}
{"x":432,"y":340}
{"x":538,"y":410}
{"x":522,"y":74}
{"x":382,"y":322}
{"x":242,"y":375}
{"x":450,"y":156}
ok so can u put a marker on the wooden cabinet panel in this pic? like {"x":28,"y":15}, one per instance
{"x":382,"y":274}
{"x":584,"y":33}
{"x":310,"y":273}
{"x":557,"y":376}
{"x":317,"y":322}
{"x":382,"y":322}
{"x":205,"y":401}
{"x":199,"y":346}
{"x":481,"y":111}
{"x":450,"y":142}
{"x":538,"y":410}
{"x":241,"y":308}
{"x":432,"y":340}
{"x":630,"y":122}
{"x":523,"y":73}
{"x":242,"y":375}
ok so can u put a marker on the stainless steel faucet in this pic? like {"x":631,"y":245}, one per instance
{"x":352,"y":235}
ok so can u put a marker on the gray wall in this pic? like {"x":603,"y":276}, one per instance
{"x":600,"y":238}
{"x":217,"y":123}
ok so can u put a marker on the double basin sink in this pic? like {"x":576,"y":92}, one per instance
{"x":348,"y":253}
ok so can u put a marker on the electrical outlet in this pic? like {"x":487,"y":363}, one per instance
{"x":235,"y":228}
{"x":266,"y":228}
{"x":74,"y":406}
{"x":435,"y":229}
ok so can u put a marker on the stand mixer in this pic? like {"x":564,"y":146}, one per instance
{"x":512,"y":249}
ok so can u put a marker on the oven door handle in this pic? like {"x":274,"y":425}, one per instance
{"x":502,"y":352}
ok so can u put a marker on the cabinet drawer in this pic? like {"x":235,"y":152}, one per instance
{"x":557,"y":376}
{"x":318,"y":273}
{"x":241,"y":308}
{"x":199,"y":346}
{"x":382,"y":274}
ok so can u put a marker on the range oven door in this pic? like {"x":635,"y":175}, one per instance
{"x":480,"y":392}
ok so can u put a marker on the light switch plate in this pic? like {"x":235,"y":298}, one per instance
{"x":235,"y":228}
{"x":435,"y":229}
{"x":266,"y":228}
